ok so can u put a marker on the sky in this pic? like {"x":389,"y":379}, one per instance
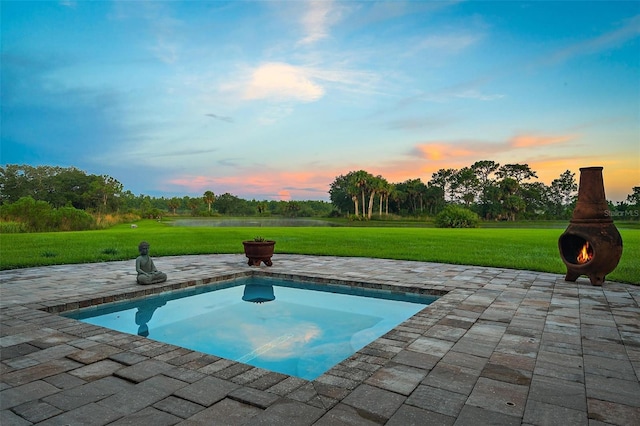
{"x":272,"y":100}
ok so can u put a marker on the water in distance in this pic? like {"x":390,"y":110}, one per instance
{"x":251,"y":222}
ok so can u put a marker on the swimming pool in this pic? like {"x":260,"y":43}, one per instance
{"x":300,"y":329}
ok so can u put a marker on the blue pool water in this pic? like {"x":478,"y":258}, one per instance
{"x":298,"y":329}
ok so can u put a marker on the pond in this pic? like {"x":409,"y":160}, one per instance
{"x":252,"y":222}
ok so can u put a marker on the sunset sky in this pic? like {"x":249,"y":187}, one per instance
{"x":273,"y":100}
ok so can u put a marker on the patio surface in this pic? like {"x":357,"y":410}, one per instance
{"x":501,"y":347}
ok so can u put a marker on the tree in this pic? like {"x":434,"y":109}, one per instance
{"x":483,"y":169}
{"x":536,"y":198}
{"x":209,"y":197}
{"x":341,"y":193}
{"x":384,"y":189}
{"x":261,"y":207}
{"x":375,"y":185}
{"x":362,"y":180}
{"x":491,"y":201}
{"x":398,"y":196}
{"x":634,"y":197}
{"x":511,"y":203}
{"x":518,"y":172}
{"x":433,"y":199}
{"x":561,"y":194}
{"x":292,"y":209}
{"x":229,"y":204}
{"x":352,"y":186}
{"x":174,"y":203}
{"x":56,"y":185}
{"x":565,"y":186}
{"x":193,"y":204}
{"x":465,"y":185}
{"x":444,"y":178}
{"x":413,"y":191}
{"x":103,"y":190}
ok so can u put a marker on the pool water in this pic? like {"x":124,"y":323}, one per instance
{"x":298,"y":329}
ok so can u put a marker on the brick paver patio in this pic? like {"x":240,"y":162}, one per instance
{"x":499,"y":347}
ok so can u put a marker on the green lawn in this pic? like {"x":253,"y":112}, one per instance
{"x":519,"y":248}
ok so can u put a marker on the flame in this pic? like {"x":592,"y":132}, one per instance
{"x":585,"y":254}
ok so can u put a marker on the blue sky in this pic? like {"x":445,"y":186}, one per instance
{"x":273,"y":100}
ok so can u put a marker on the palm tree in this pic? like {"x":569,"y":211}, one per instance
{"x":383,"y":191}
{"x":390,"y":190}
{"x":174,"y":203}
{"x":209,"y":197}
{"x":375,"y":186}
{"x":193,"y":204}
{"x":361,"y":179}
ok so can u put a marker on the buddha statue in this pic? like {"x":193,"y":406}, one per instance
{"x":147,"y":272}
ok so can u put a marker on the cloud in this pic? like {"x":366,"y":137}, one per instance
{"x":629,"y":30}
{"x":524,"y":141}
{"x":320,"y":15}
{"x":448,"y":43}
{"x":264,"y":183}
{"x":475,"y":94}
{"x":448,"y":94}
{"x":282,"y":82}
{"x":447,"y":151}
{"x":284,"y":195}
{"x":220,"y":117}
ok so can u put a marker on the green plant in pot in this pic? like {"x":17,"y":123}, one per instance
{"x":259,"y":250}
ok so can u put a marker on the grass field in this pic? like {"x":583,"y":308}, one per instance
{"x":518,"y":248}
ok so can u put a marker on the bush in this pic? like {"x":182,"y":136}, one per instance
{"x":12,"y":227}
{"x":456,"y":217}
{"x":72,"y":219}
{"x":34,"y":215}
{"x":39,"y":216}
{"x":104,"y":221}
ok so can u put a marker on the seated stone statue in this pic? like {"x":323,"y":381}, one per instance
{"x":147,"y":272}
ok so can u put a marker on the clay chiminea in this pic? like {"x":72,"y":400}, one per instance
{"x":591,"y":244}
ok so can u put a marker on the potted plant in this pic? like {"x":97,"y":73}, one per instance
{"x":259,"y":250}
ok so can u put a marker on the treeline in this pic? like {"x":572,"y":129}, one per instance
{"x":491,"y":190}
{"x":46,"y":198}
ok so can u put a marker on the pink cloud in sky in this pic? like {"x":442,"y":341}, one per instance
{"x":266,"y":184}
{"x":442,"y":151}
{"x":524,"y":141}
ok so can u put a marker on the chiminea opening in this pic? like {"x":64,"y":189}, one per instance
{"x":576,"y":250}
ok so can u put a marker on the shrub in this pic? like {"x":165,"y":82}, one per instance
{"x":72,"y":219}
{"x":456,"y":217}
{"x":112,"y":219}
{"x":39,"y":216}
{"x":35,"y":215}
{"x":12,"y":227}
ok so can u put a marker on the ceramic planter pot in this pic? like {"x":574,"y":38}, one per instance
{"x":259,"y":251}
